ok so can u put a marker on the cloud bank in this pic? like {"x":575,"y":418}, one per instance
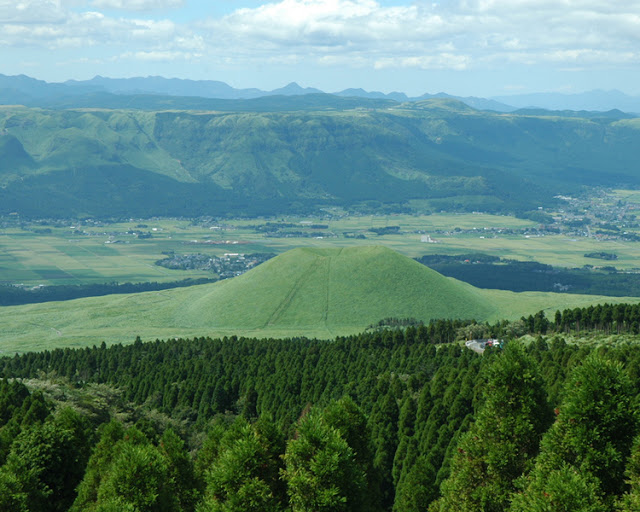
{"x":455,"y":34}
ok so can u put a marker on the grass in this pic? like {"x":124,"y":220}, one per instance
{"x":65,"y":256}
{"x":629,"y":196}
{"x":305,"y":292}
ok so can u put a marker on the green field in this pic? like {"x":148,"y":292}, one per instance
{"x":305,"y":292}
{"x":67,"y":257}
{"x":88,"y":254}
{"x":629,"y":196}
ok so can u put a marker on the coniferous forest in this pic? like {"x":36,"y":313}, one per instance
{"x":382,"y":421}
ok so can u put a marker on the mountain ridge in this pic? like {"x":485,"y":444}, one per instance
{"x":117,"y":162}
{"x":30,"y":89}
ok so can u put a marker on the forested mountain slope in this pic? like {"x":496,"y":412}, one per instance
{"x":376,"y":422}
{"x":125,"y":162}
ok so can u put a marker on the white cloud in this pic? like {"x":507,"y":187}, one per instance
{"x":160,"y":56}
{"x":137,"y":5}
{"x":454,"y":35}
{"x":31,"y":12}
{"x":329,"y":23}
{"x":441,"y":61}
{"x":52,"y":25}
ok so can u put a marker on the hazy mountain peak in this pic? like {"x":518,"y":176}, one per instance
{"x":293,"y":89}
{"x":596,"y":100}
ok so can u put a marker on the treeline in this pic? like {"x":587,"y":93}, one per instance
{"x":436,"y":332}
{"x":14,"y":295}
{"x":605,"y":318}
{"x":375,"y":422}
{"x":609,"y":318}
{"x":601,"y":318}
{"x":519,"y":276}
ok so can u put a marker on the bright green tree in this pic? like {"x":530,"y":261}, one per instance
{"x":244,"y":474}
{"x":591,"y":437}
{"x":631,"y":500}
{"x":348,"y":419}
{"x":501,"y":444}
{"x":181,"y":470}
{"x":139,"y":478}
{"x":127,"y":472}
{"x":98,"y":465}
{"x":561,"y":490}
{"x":321,"y":471}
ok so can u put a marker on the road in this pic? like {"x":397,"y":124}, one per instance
{"x":476,"y":345}
{"x":479,"y":345}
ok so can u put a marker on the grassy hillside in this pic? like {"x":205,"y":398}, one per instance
{"x":102,"y":163}
{"x":304,"y":292}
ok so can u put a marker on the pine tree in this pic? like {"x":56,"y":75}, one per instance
{"x":384,"y":432}
{"x":244,"y":476}
{"x":182,"y":477}
{"x":98,"y":465}
{"x":139,"y":478}
{"x":561,"y":490}
{"x":321,"y":471}
{"x":630,"y":502}
{"x":501,"y":443}
{"x":592,"y":436}
{"x":47,"y":462}
{"x":349,"y":420}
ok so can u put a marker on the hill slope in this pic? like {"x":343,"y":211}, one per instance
{"x":304,"y":292}
{"x":336,"y":288}
{"x":103,"y":163}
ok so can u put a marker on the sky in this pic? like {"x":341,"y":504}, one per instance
{"x":462,"y":47}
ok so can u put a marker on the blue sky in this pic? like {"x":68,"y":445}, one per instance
{"x":463,"y":47}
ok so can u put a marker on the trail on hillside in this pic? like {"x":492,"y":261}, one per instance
{"x":328,"y":283}
{"x":286,"y":302}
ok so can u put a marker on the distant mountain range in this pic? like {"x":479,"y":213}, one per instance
{"x":155,"y":146}
{"x":597,"y":100}
{"x":32,"y":92}
{"x":147,"y":155}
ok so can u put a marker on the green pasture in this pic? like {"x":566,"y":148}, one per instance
{"x":318,"y":293}
{"x":560,"y":250}
{"x":629,"y":196}
{"x":557,"y":250}
{"x":66,"y":256}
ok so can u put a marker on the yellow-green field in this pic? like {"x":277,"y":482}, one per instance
{"x":305,"y":292}
{"x":108,"y":253}
{"x":629,"y":196}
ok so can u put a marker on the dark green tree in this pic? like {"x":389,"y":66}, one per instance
{"x":47,"y":461}
{"x":501,"y":444}
{"x":417,"y":490}
{"x":384,"y":432}
{"x":592,"y":435}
